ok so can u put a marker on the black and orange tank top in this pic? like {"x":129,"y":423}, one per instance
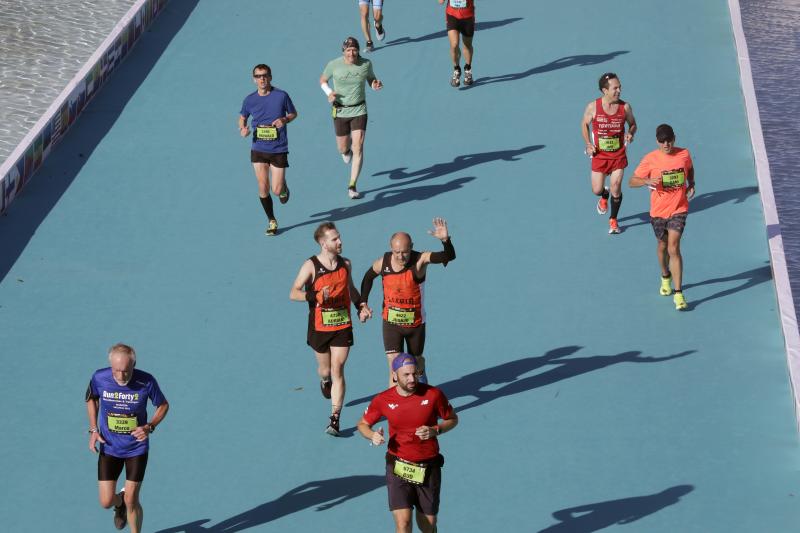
{"x":403,"y":293}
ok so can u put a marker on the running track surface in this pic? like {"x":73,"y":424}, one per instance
{"x":587,"y":402}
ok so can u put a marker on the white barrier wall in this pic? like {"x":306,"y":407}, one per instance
{"x":27,"y":157}
{"x":780,"y":272}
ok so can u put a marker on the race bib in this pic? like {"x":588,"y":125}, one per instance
{"x":335,"y":317}
{"x":121,"y":423}
{"x":608,"y":144}
{"x":458,"y":4}
{"x":673,"y":178}
{"x":411,"y":472}
{"x":266,"y":133}
{"x":401,"y":317}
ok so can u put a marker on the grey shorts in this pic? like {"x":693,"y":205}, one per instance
{"x":662,"y":225}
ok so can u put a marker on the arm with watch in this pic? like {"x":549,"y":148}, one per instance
{"x":143,"y":432}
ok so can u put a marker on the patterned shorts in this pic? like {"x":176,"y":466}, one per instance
{"x":674,"y":223}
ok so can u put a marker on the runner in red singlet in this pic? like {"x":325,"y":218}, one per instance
{"x":604,"y":119}
{"x":402,"y":273}
{"x":460,"y":18}
{"x":325,"y":282}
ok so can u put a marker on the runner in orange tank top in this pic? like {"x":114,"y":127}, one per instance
{"x":402,"y":272}
{"x":326,"y":283}
{"x":603,"y":130}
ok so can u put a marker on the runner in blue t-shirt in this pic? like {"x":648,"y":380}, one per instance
{"x":271,"y":109}
{"x":121,"y":432}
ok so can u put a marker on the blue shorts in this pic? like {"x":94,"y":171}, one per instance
{"x":376,"y":4}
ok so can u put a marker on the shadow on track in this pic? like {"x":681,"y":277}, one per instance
{"x":479,"y":26}
{"x":65,"y":162}
{"x":399,"y":193}
{"x":323,"y":494}
{"x":509,"y":374}
{"x":596,"y":516}
{"x":701,"y":202}
{"x":584,"y":60}
{"x":751,"y":278}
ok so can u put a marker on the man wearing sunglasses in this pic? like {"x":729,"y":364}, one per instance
{"x":271,"y":110}
{"x":604,"y":120}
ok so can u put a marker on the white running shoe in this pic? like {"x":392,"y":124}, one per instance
{"x":379,"y":31}
{"x":347,"y":156}
{"x":353,"y":193}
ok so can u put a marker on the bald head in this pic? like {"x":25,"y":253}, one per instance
{"x":401,"y":245}
{"x":122,"y":359}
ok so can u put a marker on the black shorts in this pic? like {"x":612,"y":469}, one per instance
{"x":276,"y":160}
{"x":321,"y":341}
{"x":674,"y":223}
{"x":406,"y":495}
{"x":394,"y":335}
{"x":465,"y":27}
{"x":345,"y":125}
{"x":109,"y":467}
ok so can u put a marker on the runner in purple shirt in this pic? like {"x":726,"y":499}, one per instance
{"x":116,"y":402}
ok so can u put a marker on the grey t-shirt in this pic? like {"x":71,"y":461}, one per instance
{"x":349,"y":84}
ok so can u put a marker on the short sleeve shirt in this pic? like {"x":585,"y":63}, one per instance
{"x":349,"y":84}
{"x":264,"y":110}
{"x":669,"y":197}
{"x":122,"y":409}
{"x":405,"y":414}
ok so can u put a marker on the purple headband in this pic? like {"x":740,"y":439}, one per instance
{"x":403,"y":359}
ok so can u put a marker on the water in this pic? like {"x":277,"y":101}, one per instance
{"x":771,"y":29}
{"x":43,"y":44}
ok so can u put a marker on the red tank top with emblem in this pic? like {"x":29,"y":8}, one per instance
{"x":608,"y":131}
{"x":402,"y":293}
{"x":334,"y":314}
{"x":460,"y":9}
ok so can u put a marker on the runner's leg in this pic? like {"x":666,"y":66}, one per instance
{"x":402,"y":520}
{"x":357,"y":146}
{"x":337,"y":360}
{"x":135,"y":511}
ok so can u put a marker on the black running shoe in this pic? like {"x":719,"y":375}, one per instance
{"x":381,"y":33}
{"x":370,"y":46}
{"x":121,"y":513}
{"x":284,"y":195}
{"x":467,"y":77}
{"x":333,"y":426}
{"x":325,"y":388}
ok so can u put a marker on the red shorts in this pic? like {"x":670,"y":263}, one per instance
{"x":607,"y":166}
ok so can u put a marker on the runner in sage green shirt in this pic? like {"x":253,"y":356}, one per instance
{"x":348,"y":98}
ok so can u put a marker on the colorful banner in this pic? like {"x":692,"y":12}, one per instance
{"x":28,"y":156}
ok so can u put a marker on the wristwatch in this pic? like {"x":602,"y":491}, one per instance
{"x":150,"y":428}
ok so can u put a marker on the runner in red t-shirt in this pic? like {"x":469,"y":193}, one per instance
{"x":669,"y":172}
{"x":413,"y":462}
{"x":603,"y":130}
{"x":326,"y":283}
{"x":460,"y":18}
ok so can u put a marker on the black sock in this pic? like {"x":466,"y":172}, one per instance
{"x":266,"y":203}
{"x":457,"y":67}
{"x":677,"y":291}
{"x":604,"y":194}
{"x":669,"y":275}
{"x":616,"y":201}
{"x":467,"y":66}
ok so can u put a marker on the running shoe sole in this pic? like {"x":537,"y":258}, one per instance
{"x":333,"y":427}
{"x":121,"y":513}
{"x":347,"y":157}
{"x":380,"y":32}
{"x":325,"y":389}
{"x":284,"y":195}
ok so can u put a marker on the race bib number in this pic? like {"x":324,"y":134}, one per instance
{"x":401,"y":317}
{"x":121,"y":423}
{"x":335,"y":317}
{"x":458,"y":4}
{"x":608,"y":144}
{"x":411,"y":472}
{"x":266,"y":133}
{"x":673,"y":178}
